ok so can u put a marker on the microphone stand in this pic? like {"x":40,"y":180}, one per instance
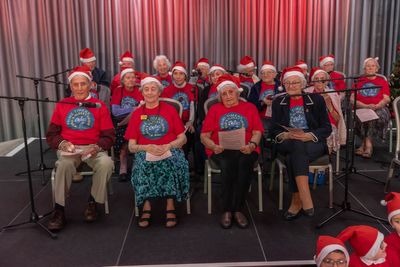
{"x":55,"y":76}
{"x":42,"y":167}
{"x":34,"y":217}
{"x":346,"y":205}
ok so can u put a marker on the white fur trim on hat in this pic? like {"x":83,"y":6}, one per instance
{"x":205,"y":64}
{"x":126,"y":59}
{"x":326,"y":60}
{"x":302,"y":65}
{"x":149,"y":79}
{"x":294,"y":73}
{"x":375,"y":247}
{"x":86,"y":60}
{"x":318,"y":72}
{"x":248,"y":65}
{"x":328,"y":249}
{"x":228,"y":83}
{"x":180,"y":69}
{"x":79,"y":73}
{"x":392,"y":214}
{"x":268,"y":67}
{"x":126,"y":71}
{"x":214,"y":68}
{"x":371,"y":58}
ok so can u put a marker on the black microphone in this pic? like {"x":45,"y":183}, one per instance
{"x":88,"y":104}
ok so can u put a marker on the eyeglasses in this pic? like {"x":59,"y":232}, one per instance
{"x":287,"y":84}
{"x":332,"y":263}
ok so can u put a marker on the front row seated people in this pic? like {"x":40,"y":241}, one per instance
{"x":331,"y":252}
{"x":156,"y":135}
{"x":308,"y":115}
{"x":236,"y":165}
{"x":80,"y":134}
{"x":392,"y":201}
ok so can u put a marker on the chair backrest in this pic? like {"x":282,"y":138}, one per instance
{"x":104,"y":94}
{"x":382,"y":76}
{"x":246,"y":89}
{"x":396,"y":108}
{"x":175,"y":103}
{"x":213,"y":100}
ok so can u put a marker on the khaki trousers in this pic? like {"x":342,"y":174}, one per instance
{"x":102,"y":166}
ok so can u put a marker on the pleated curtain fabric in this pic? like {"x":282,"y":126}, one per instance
{"x":42,"y":37}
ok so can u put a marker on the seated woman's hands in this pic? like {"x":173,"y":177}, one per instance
{"x":157,"y":150}
{"x":90,"y":152}
{"x":66,"y":146}
{"x":217,"y":149}
{"x":247,"y":149}
{"x":305,"y":137}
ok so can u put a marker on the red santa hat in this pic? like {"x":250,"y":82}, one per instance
{"x":228,"y":80}
{"x":149,"y":79}
{"x":179,"y":65}
{"x":246,"y":62}
{"x":293,"y":71}
{"x":317,"y":70}
{"x":301,"y":64}
{"x":86,"y":55}
{"x":392,"y":201}
{"x":80,"y":71}
{"x":126,"y":57}
{"x":365,"y":240}
{"x":217,"y":67}
{"x":371,"y":58}
{"x":126,"y":70}
{"x":325,"y":59}
{"x":327,"y":244}
{"x":268,"y":65}
{"x":202,"y":62}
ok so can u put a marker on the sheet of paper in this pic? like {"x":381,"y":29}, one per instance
{"x":232,"y":140}
{"x":366,"y":114}
{"x":292,"y":130}
{"x":151,"y":157}
{"x":78,"y":151}
{"x":268,"y":111}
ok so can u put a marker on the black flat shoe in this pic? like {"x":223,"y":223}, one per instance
{"x":288,"y":216}
{"x":226,"y":220}
{"x":309,"y":212}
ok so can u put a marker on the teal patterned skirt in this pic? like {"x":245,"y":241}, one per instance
{"x":167,"y":178}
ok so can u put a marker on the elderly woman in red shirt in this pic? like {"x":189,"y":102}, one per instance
{"x":376,"y":99}
{"x":236,"y":164}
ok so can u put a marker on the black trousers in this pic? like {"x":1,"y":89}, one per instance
{"x":298,"y":155}
{"x":236,"y":170}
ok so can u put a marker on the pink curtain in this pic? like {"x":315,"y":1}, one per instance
{"x":41,"y":37}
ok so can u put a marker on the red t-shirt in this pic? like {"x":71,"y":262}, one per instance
{"x":373,"y":95}
{"x":336,"y":84}
{"x":221,"y":118}
{"x":244,"y":79}
{"x":126,"y":98}
{"x":160,"y":125}
{"x":393,"y":241}
{"x":165,"y":81}
{"x":80,"y":125}
{"x":267,"y":90}
{"x":115,"y":83}
{"x":391,"y":260}
{"x":184,"y":95}
{"x":213,"y":91}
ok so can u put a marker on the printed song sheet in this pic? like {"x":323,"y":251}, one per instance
{"x":232,"y":140}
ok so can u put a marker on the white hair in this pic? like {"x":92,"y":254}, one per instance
{"x":158,"y":59}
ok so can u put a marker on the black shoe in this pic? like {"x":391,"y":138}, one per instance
{"x":145,"y":222}
{"x":291,"y":216}
{"x":309,"y":212}
{"x":123,"y":177}
{"x":226,"y":220}
{"x":241,"y":220}
{"x":90,"y":213}
{"x":171,"y":221}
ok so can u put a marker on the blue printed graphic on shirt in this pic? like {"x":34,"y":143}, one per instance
{"x":154,"y":127}
{"x":298,"y":118}
{"x":265,"y":94}
{"x":128,"y":102}
{"x":183,"y":99}
{"x":165,"y":83}
{"x":331,"y":85}
{"x":369,"y":92}
{"x":232,"y":121}
{"x":79,"y":119}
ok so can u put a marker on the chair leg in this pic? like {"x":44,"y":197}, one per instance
{"x":209,"y":189}
{"x":107,"y":211}
{"x":188,"y":207}
{"x":330,"y":186}
{"x":205,"y":176}
{"x":280,"y":188}
{"x":337,"y":161}
{"x":260,"y":188}
{"x":136,"y":209}
{"x":315,"y":179}
{"x":390,"y":175}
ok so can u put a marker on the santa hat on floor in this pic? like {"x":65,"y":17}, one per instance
{"x":325,"y":59}
{"x":80,"y":71}
{"x":126,"y":57}
{"x":392,"y":201}
{"x":228,"y":80}
{"x":317,"y":70}
{"x":125,"y":71}
{"x":86,"y":55}
{"x":217,"y":67}
{"x":293,"y":71}
{"x":202,"y":62}
{"x":327,"y":244}
{"x":246,"y":62}
{"x":301,"y":64}
{"x":365,"y":240}
{"x":179,"y":65}
{"x":267,"y":65}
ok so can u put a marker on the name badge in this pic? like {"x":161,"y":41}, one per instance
{"x":143,"y":117}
